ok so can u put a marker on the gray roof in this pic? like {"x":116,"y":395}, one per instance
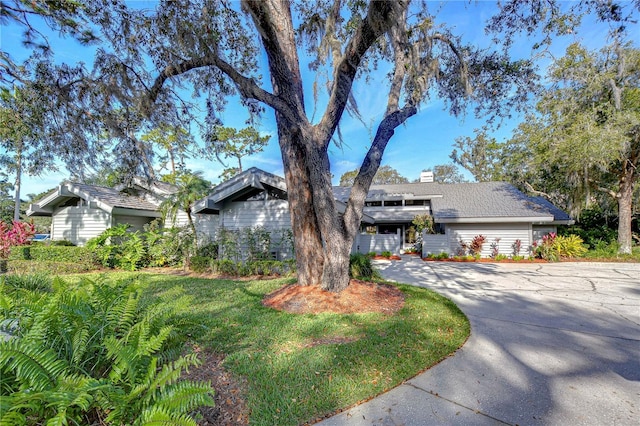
{"x":466,"y":201}
{"x":111,"y":197}
{"x":106,"y":199}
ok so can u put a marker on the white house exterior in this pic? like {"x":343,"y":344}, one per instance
{"x":253,"y":198}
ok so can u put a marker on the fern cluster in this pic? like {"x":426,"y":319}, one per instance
{"x":92,"y":353}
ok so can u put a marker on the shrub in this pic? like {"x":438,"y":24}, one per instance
{"x":475,"y":247}
{"x":200,"y":264}
{"x":94,"y":354}
{"x":569,"y":246}
{"x":386,"y":254}
{"x":545,"y":249}
{"x":118,"y":248}
{"x":168,"y":247}
{"x":371,"y":254}
{"x":495,"y":248}
{"x":360,"y":267}
{"x":62,"y":243}
{"x":462,"y":248}
{"x":501,"y":257}
{"x":516,"y":246}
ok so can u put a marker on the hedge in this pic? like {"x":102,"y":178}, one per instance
{"x":69,"y":254}
{"x":200,"y":264}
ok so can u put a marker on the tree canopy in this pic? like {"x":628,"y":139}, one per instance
{"x":384,"y":176}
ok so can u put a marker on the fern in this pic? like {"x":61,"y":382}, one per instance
{"x":34,"y":367}
{"x":159,"y":416}
{"x":93,"y":353}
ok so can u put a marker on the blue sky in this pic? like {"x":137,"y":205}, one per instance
{"x":424,"y":141}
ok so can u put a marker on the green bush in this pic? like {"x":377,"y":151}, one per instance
{"x":50,"y":267}
{"x":168,"y":247}
{"x":118,"y":248}
{"x":93,"y":353}
{"x":386,"y":254}
{"x":200,"y":264}
{"x":569,"y":246}
{"x":360,"y":267}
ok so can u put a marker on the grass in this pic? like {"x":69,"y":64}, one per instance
{"x":604,"y":252}
{"x":295,"y":374}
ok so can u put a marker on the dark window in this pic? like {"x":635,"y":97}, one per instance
{"x":415,"y":202}
{"x":373,"y":203}
{"x":438,"y":228}
{"x":392,"y":203}
{"x":388,"y":229}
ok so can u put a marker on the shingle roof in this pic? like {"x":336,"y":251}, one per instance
{"x":466,"y":200}
{"x":111,"y":197}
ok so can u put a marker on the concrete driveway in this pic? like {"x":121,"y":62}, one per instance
{"x":551,"y":344}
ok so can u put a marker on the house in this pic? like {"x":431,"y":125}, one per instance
{"x":253,"y":198}
{"x":80,"y":211}
{"x":496,"y":210}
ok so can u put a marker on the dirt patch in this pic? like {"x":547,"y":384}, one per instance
{"x":359,"y":297}
{"x":231,"y":408}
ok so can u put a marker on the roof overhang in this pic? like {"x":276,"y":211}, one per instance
{"x":499,"y":219}
{"x":122,"y":211}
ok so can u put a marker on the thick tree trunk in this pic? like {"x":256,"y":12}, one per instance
{"x":306,"y":234}
{"x":625,"y":214}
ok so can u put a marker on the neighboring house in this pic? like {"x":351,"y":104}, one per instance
{"x":80,"y":212}
{"x":257,"y":198}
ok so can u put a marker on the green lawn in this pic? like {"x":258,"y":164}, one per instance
{"x":292,"y":376}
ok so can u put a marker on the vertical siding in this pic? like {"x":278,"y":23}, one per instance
{"x":206,"y":225}
{"x":272,"y":214}
{"x":79,"y":224}
{"x":366,"y":243}
{"x":507,"y":232}
{"x":436,"y":244}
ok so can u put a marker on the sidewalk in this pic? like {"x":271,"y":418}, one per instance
{"x":550,"y":344}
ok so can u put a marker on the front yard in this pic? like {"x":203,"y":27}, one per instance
{"x":297,"y":368}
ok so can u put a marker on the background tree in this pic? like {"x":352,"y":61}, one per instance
{"x":586,"y":136}
{"x":176,"y":143}
{"x":446,"y":173}
{"x":481,"y":155}
{"x":228,"y":143}
{"x":22,"y":138}
{"x":384,"y":176}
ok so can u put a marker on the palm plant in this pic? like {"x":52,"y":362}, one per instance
{"x":191,"y":188}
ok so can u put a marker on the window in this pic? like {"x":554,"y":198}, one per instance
{"x":373,"y":203}
{"x":415,"y":202}
{"x":388,"y":229}
{"x":392,"y":203}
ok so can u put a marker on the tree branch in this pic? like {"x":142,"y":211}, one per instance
{"x":246,"y":86}
{"x":381,"y":16}
{"x":371,"y":163}
{"x":531,"y":189}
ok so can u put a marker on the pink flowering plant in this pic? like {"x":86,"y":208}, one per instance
{"x":17,"y":235}
{"x":546,"y":249}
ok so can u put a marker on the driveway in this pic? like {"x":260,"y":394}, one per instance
{"x":551,"y":344}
